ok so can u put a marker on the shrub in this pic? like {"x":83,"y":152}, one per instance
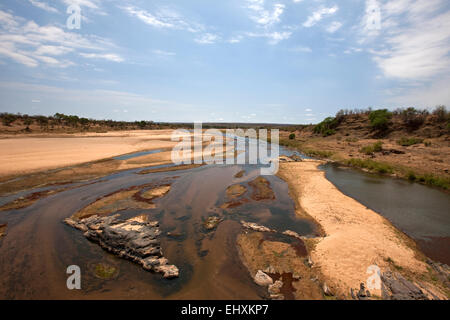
{"x":379,"y":119}
{"x":8,"y":118}
{"x":292,"y":136}
{"x":376,"y":147}
{"x":370,"y":165}
{"x":413,"y":118}
{"x":327,"y":126}
{"x":441,"y":113}
{"x":406,"y":142}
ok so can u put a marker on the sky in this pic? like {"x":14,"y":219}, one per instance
{"x":272,"y":61}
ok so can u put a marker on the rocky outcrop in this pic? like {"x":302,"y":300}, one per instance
{"x":442,"y":270}
{"x":255,"y":227}
{"x":396,"y":287}
{"x":212,"y":222}
{"x":262,"y":279}
{"x":133,"y":239}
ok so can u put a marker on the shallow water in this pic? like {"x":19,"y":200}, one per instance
{"x":39,"y":247}
{"x":137,"y":154}
{"x":422,"y":212}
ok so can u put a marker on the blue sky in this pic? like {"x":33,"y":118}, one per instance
{"x":283,"y":61}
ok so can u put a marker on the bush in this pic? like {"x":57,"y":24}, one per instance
{"x":327,"y":126}
{"x":441,"y":114}
{"x":406,"y":142}
{"x":370,"y":165}
{"x":413,"y":118}
{"x":376,"y":147}
{"x":292,"y":136}
{"x":380,"y":119}
{"x":8,"y":118}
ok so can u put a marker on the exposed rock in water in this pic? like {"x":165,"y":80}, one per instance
{"x":442,"y":270}
{"x":132,"y":239}
{"x":262,"y":279}
{"x":256,"y":227}
{"x":3,"y":229}
{"x":212,"y":222}
{"x":362,"y":294}
{"x":240,"y":174}
{"x":293,"y":158}
{"x":261,"y":189}
{"x":326,"y":290}
{"x":396,"y":287}
{"x":292,"y":234}
{"x":275,"y":287}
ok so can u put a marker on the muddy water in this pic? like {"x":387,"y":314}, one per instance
{"x":39,"y":247}
{"x":422,"y":212}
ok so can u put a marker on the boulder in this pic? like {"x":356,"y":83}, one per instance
{"x":262,"y":279}
{"x":275,"y":287}
{"x":132,"y":239}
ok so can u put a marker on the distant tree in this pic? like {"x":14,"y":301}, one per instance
{"x":441,"y":114}
{"x":380,"y":119}
{"x":413,"y":118}
{"x":292,"y":136}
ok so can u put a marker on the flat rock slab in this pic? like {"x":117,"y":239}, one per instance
{"x":132,"y":239}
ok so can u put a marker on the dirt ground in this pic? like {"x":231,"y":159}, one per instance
{"x":432,"y":157}
{"x":25,"y":154}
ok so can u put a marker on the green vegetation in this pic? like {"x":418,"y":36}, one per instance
{"x":327,"y":127}
{"x":104,"y":271}
{"x":380,"y":119}
{"x":369,"y":164}
{"x":370,"y":149}
{"x":292,"y":136}
{"x":441,"y":114}
{"x":430,"y":179}
{"x":406,"y":142}
{"x":413,"y":118}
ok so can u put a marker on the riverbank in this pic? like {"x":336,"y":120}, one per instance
{"x":355,"y":236}
{"x":426,"y":162}
{"x":24,"y":154}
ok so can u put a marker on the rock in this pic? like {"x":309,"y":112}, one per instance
{"x":278,"y":296}
{"x":296,"y":276}
{"x":269,"y":269}
{"x":275,"y":287}
{"x":212,"y":222}
{"x":262,"y":279}
{"x":292,"y":234}
{"x":442,"y":270}
{"x":256,"y":227}
{"x":309,"y":262}
{"x":398,"y":288}
{"x":326,"y":290}
{"x":133,"y":239}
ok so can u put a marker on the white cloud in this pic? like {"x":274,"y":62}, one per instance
{"x":207,"y":38}
{"x":164,"y":53}
{"x":262,"y":16}
{"x":334,"y":26}
{"x":301,"y":49}
{"x":319,"y":14}
{"x":31,"y":45}
{"x":414,"y":40}
{"x":83,"y":3}
{"x":274,"y":37}
{"x":104,"y":56}
{"x":164,"y":18}
{"x":43,"y":5}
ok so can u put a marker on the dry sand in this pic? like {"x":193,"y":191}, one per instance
{"x":22,"y":155}
{"x":356,"y":237}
